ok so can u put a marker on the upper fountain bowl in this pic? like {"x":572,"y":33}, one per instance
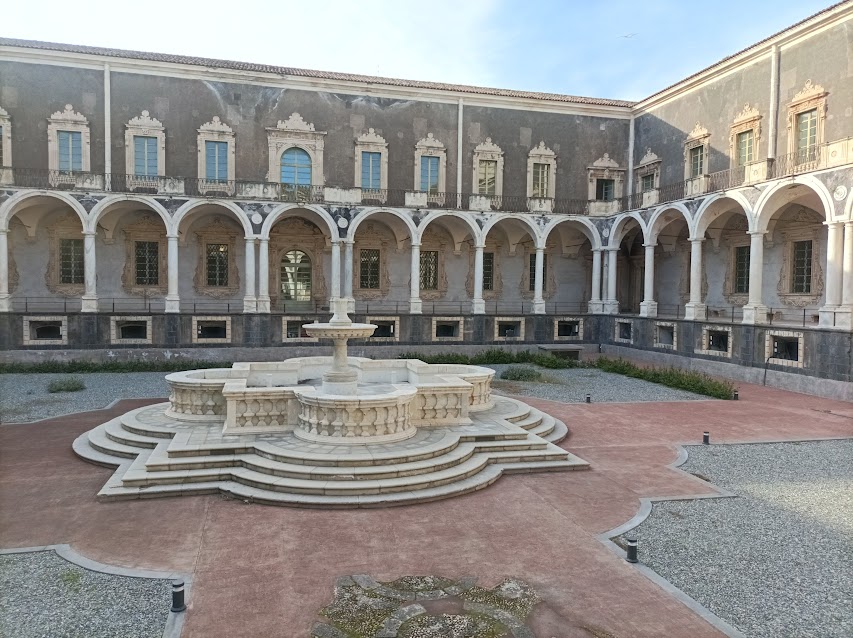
{"x":340,"y":331}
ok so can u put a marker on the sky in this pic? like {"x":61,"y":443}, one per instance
{"x":622,"y":49}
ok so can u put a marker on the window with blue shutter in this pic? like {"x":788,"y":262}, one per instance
{"x":145,"y":156}
{"x":370,"y":163}
{"x":70,"y":150}
{"x":429,"y":174}
{"x":216,"y":161}
{"x":296,"y":167}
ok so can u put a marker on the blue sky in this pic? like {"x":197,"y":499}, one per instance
{"x":560,"y":46}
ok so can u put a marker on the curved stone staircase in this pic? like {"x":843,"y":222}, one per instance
{"x":158,"y":456}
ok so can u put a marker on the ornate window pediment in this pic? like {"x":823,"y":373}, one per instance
{"x":488,"y":169}
{"x":745,"y":136}
{"x":216,"y":157}
{"x":68,"y":141}
{"x":144,"y":151}
{"x":600,"y":173}
{"x":431,"y":174}
{"x":541,"y":171}
{"x":145,"y":249}
{"x":696,"y":149}
{"x":806,"y":135}
{"x":295,"y":132}
{"x":648,"y":168}
{"x":371,"y":172}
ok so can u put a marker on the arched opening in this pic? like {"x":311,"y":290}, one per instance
{"x":670,"y":233}
{"x":625,"y":285}
{"x":296,"y":174}
{"x":509,"y":261}
{"x":446,"y":268}
{"x":296,"y":278}
{"x":299,"y":271}
{"x":570,"y":244}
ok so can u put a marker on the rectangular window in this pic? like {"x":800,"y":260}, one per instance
{"x":741,"y":278}
{"x":147,"y":255}
{"x":144,"y":156}
{"x":370,"y":167}
{"x":745,"y":143}
{"x":217,"y":264}
{"x":647,"y":182}
{"x":541,"y":175}
{"x":429,"y":270}
{"x":697,"y":161}
{"x":429,"y":175}
{"x":368,"y":272}
{"x":487,"y":174}
{"x":70,"y":150}
{"x":604,"y":189}
{"x":533,"y":271}
{"x":216,"y":161}
{"x":801,"y":280}
{"x":488,"y":271}
{"x":806,"y":135}
{"x":71,"y":261}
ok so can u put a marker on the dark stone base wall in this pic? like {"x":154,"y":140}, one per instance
{"x":827,"y":354}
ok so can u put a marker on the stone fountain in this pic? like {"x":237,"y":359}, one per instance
{"x":318,"y":431}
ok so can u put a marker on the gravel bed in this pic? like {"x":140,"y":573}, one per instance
{"x":571,"y":385}
{"x":777,"y":560}
{"x":24,"y":397}
{"x":44,"y":596}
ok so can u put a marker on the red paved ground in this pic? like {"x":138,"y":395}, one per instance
{"x":264,"y":571}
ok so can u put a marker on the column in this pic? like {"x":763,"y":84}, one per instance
{"x":250,"y":301}
{"x":348,"y":265}
{"x":844,"y":317}
{"x":595,"y":305}
{"x":611,"y":304}
{"x":415,"y":297}
{"x":173,"y":298}
{"x":755,"y":311}
{"x":336,"y":270}
{"x":478,"y":304}
{"x":834,"y":273}
{"x":649,"y":307}
{"x":696,"y":310}
{"x":264,"y":275}
{"x":90,"y":274}
{"x":5,"y":302}
{"x":538,"y":277}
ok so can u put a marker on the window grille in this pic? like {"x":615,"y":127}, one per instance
{"x":147,"y":255}
{"x":488,"y":271}
{"x":71,"y":262}
{"x":741,"y":270}
{"x":217,"y":264}
{"x":429,"y":270}
{"x":369,"y":268}
{"x":801,"y":280}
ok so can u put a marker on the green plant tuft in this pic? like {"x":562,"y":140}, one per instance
{"x":696,"y":382}
{"x":66,"y":384}
{"x":137,"y":365}
{"x":521,"y":373}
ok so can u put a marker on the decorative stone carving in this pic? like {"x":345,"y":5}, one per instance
{"x":67,"y":120}
{"x":370,"y":235}
{"x":197,"y":395}
{"x":371,"y":142}
{"x":216,"y":131}
{"x":146,"y":229}
{"x":431,"y":147}
{"x":67,"y":226}
{"x":800,"y":224}
{"x":605,"y":168}
{"x":489,"y":151}
{"x":385,"y":416}
{"x":699,"y":136}
{"x":217,"y":232}
{"x":295,"y":233}
{"x":290,"y":133}
{"x":748,"y":119}
{"x":649,"y":165}
{"x":146,"y":126}
{"x":6,"y":176}
{"x":542,"y":155}
{"x":811,"y":96}
{"x":435,"y":240}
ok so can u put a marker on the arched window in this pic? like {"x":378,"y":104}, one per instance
{"x":296,"y":172}
{"x":295,"y":276}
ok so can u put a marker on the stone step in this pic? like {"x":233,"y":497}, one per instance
{"x":559,"y":432}
{"x":545,"y":426}
{"x":130,"y":422}
{"x":520,"y":412}
{"x":115,"y":431}
{"x":99,"y":440}
{"x":83,"y":448}
{"x":531,"y":420}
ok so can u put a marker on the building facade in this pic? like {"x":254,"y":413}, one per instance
{"x":149,"y":200}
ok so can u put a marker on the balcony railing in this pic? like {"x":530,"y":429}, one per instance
{"x":803,"y":161}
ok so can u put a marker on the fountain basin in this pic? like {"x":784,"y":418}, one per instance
{"x":339,"y":331}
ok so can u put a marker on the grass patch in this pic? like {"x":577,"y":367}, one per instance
{"x":521,"y":373}
{"x":696,"y":382}
{"x":70,"y":367}
{"x":496,"y":357}
{"x":66,"y":384}
{"x":71,"y":580}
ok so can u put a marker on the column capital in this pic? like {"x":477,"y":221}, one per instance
{"x":540,"y":249}
{"x":347,"y":240}
{"x":695,"y":239}
{"x":756,"y":232}
{"x":611,"y":249}
{"x":654,"y":245}
{"x":90,"y":233}
{"x":4,"y":231}
{"x":250,"y":237}
{"x":264,"y":240}
{"x":835,"y":222}
{"x":175,"y":237}
{"x":479,"y":246}
{"x":416,"y":244}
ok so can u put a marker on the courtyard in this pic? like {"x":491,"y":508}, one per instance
{"x":536,"y":540}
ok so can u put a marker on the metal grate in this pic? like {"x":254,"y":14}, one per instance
{"x":741,"y":269}
{"x":217,"y":264}
{"x":533,"y":271}
{"x":429,"y":270}
{"x":369,"y":268}
{"x":801,"y":280}
{"x":488,"y":271}
{"x":147,"y":263}
{"x":71,"y":261}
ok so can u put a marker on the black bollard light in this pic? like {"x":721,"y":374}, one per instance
{"x":178,"y":596}
{"x":589,"y":398}
{"x":706,"y":438}
{"x":631,"y":550}
{"x":735,"y":395}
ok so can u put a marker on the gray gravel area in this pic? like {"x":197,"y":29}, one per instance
{"x":44,"y":596}
{"x":571,"y":385}
{"x":775,"y":561}
{"x":24,"y":397}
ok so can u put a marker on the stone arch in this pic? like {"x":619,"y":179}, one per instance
{"x":658,"y":222}
{"x":9,"y":208}
{"x":466,"y":220}
{"x":709,"y":210}
{"x":369,"y":212}
{"x":281,"y":210}
{"x":525,"y":221}
{"x":103,"y":207}
{"x":774,"y":197}
{"x":848,"y":208}
{"x":194,"y":204}
{"x":618,"y":230}
{"x":584,"y":226}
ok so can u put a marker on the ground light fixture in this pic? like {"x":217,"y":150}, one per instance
{"x":706,"y":438}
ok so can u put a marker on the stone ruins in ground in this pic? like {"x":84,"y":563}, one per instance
{"x":326,"y":432}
